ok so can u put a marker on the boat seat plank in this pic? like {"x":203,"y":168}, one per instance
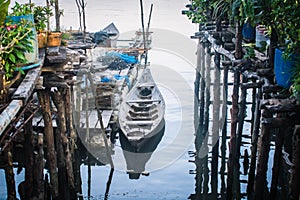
{"x":139,"y":122}
{"x":143,"y":101}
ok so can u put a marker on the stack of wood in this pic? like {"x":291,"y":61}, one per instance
{"x":104,"y":95}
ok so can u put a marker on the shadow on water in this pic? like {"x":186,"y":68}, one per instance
{"x":138,"y":153}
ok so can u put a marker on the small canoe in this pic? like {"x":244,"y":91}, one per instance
{"x":112,"y":31}
{"x":141,"y":113}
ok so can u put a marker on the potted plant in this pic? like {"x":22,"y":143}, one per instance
{"x":286,"y":25}
{"x":16,"y":38}
{"x":41,"y":18}
{"x":24,"y":12}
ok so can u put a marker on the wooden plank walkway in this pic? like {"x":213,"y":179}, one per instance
{"x":9,"y":114}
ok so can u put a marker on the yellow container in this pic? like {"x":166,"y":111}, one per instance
{"x":54,"y":39}
{"x":42,"y":39}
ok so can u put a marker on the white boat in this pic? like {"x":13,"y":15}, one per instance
{"x":141,"y":113}
{"x":112,"y":31}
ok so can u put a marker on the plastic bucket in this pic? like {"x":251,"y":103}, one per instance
{"x":283,"y":69}
{"x":248,"y":32}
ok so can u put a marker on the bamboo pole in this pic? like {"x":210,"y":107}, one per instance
{"x":44,"y":100}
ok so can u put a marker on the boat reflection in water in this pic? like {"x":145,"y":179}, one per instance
{"x":138,"y":153}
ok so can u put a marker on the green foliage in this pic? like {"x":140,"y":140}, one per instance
{"x":41,"y":14}
{"x":4,"y":4}
{"x":200,"y":11}
{"x":243,"y":10}
{"x":296,"y":78}
{"x":15,"y":40}
{"x":22,"y":9}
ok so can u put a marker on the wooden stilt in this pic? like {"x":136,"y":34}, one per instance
{"x":216,"y":126}
{"x":224,"y":131}
{"x":295,"y":176}
{"x":255,"y":133}
{"x":232,"y":161}
{"x":28,"y":146}
{"x":77,"y":177}
{"x":44,"y":100}
{"x":260,"y":186}
{"x":204,"y":148}
{"x":9,"y":174}
{"x":277,"y":161}
{"x":38,"y":178}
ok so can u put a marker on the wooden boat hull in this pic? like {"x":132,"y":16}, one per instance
{"x":141,"y":114}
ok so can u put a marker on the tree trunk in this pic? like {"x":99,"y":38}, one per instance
{"x":57,"y":15}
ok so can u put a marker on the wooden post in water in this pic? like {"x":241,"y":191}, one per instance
{"x":38,"y":177}
{"x":9,"y":174}
{"x":70,"y":145}
{"x":28,"y":147}
{"x":224,"y":129}
{"x":241,"y":118}
{"x":232,"y":160}
{"x":295,"y":175}
{"x":44,"y":100}
{"x":277,"y":160}
{"x":255,"y":133}
{"x":205,"y":133}
{"x":216,"y":125}
{"x":60,"y":140}
{"x":260,"y":187}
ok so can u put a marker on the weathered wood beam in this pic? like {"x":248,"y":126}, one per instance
{"x":9,"y":114}
{"x":27,"y":86}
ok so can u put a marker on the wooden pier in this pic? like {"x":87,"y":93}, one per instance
{"x":63,"y":112}
{"x":262,"y":124}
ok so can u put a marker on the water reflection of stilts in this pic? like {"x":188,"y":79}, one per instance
{"x":210,"y":126}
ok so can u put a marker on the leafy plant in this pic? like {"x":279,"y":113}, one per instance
{"x":4,"y":4}
{"x":41,"y":14}
{"x":200,"y":11}
{"x":15,"y":39}
{"x":22,"y":9}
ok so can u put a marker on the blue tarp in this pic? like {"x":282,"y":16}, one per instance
{"x":117,"y":77}
{"x":125,"y":57}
